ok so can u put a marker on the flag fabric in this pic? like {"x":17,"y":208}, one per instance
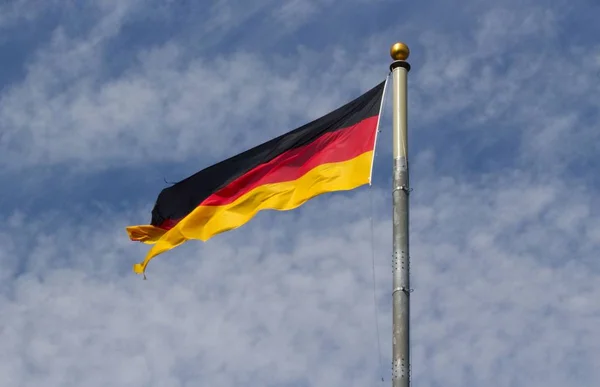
{"x":332,"y":153}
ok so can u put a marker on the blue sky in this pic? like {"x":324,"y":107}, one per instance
{"x":102,"y":101}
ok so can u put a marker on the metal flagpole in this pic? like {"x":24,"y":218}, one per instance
{"x":401,"y":190}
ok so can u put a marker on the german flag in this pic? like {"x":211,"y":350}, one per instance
{"x":332,"y":153}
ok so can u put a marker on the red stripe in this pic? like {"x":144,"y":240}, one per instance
{"x":332,"y":147}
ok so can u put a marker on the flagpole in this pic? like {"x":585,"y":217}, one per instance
{"x":400,"y":262}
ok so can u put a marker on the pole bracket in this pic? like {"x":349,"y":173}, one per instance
{"x":403,"y":289}
{"x":400,"y":63}
{"x":404,"y":188}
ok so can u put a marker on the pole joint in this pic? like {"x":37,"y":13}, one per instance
{"x":403,"y":289}
{"x":400,"y":63}
{"x":404,"y":188}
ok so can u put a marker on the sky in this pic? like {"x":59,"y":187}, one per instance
{"x":102,"y":103}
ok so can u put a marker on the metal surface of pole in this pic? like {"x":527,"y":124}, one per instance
{"x":401,"y":189}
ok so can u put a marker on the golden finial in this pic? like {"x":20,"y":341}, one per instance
{"x":399,"y":51}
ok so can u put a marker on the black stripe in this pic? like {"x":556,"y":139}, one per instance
{"x":180,"y":199}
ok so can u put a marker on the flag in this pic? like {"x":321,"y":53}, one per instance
{"x":332,"y":153}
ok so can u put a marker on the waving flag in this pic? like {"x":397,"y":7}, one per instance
{"x":332,"y":153}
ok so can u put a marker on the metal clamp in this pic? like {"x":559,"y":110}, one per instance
{"x":403,"y":188}
{"x":403,"y":289}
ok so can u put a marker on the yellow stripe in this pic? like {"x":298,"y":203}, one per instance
{"x":205,"y":222}
{"x":146,"y":233}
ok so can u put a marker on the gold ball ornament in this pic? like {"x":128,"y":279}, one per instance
{"x":399,"y":51}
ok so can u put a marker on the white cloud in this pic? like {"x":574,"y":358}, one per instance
{"x":495,"y":295}
{"x":169,"y":105}
{"x":167,"y":108}
{"x":173,"y":104}
{"x":21,"y":10}
{"x":504,"y":264}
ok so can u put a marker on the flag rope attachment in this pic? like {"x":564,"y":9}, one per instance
{"x":371,"y":220}
{"x":376,"y":309}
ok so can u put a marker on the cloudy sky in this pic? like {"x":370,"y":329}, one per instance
{"x":101,"y":102}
